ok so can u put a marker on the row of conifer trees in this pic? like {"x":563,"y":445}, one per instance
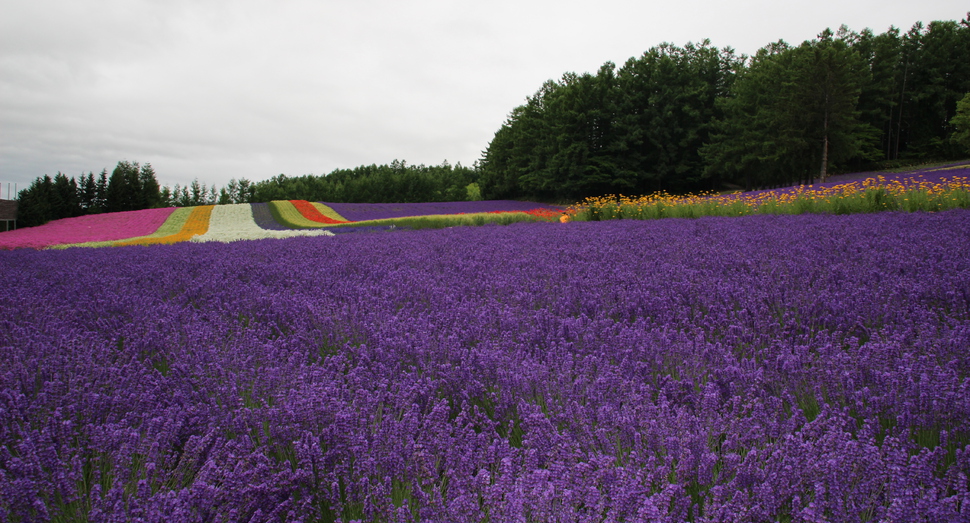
{"x":695,"y":118}
{"x":129,"y":187}
{"x":132,"y":186}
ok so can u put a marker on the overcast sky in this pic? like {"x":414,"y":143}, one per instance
{"x":220,"y":89}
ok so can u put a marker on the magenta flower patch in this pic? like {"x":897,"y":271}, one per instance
{"x":91,"y":228}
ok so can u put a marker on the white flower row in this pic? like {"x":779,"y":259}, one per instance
{"x":235,"y":222}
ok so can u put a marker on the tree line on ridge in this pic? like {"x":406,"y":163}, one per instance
{"x":696,"y":118}
{"x":132,"y":187}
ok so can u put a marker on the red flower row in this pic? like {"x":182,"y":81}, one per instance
{"x":312,"y":213}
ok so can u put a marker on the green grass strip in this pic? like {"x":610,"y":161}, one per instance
{"x":172,"y":225}
{"x":441,"y":221}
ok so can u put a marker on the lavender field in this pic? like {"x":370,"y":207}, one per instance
{"x":762,"y":368}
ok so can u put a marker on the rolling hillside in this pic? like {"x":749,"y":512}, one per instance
{"x":225,"y":223}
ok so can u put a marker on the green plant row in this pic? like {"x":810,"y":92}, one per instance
{"x":441,"y":221}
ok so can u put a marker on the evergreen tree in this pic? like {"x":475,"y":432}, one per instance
{"x":827,"y":79}
{"x":198,"y":193}
{"x":179,"y":197}
{"x":101,"y":192}
{"x":879,"y":97}
{"x":133,"y":185}
{"x":34,"y":203}
{"x":123,"y":191}
{"x":246,"y":192}
{"x":183,"y":197}
{"x":229,"y":193}
{"x":558,"y":145}
{"x":64,"y":198}
{"x":499,"y":178}
{"x":150,"y":194}
{"x":747,"y":142}
{"x":581,"y":159}
{"x":792,"y":113}
{"x":516,"y":162}
{"x":165,"y":197}
{"x":87,"y":193}
{"x":939,"y":77}
{"x":668,"y":101}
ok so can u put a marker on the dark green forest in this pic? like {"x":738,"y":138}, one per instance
{"x":130,"y":187}
{"x":394,"y":183}
{"x":676,"y":119}
{"x":698,"y":118}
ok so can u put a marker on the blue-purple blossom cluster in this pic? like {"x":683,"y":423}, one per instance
{"x":765,"y":368}
{"x":264,"y":218}
{"x":933,"y":174}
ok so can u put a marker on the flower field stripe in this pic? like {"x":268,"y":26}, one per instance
{"x":312,"y":213}
{"x":464,"y":217}
{"x":287,"y":214}
{"x":92,"y":228}
{"x":538,"y":213}
{"x":171,"y":226}
{"x":356,"y":212}
{"x":873,"y":194}
{"x":328,"y":212}
{"x":174,"y":223}
{"x":196,"y":224}
{"x":442,"y":220}
{"x":235,"y":222}
{"x":265,"y":219}
{"x":545,"y":213}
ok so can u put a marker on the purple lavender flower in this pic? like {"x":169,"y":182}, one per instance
{"x":761,"y":368}
{"x":264,"y":218}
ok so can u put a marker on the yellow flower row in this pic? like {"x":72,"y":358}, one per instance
{"x":615,"y":206}
{"x":196,"y":224}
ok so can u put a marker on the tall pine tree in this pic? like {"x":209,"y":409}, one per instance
{"x":150,"y":195}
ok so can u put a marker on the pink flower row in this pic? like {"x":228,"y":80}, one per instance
{"x":92,"y":228}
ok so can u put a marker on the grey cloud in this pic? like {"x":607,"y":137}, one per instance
{"x":221,"y":89}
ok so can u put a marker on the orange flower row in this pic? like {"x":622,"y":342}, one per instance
{"x":197,"y":224}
